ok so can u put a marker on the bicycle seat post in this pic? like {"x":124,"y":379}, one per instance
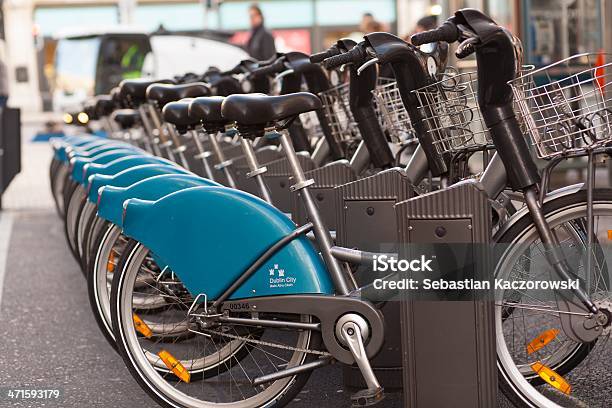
{"x":256,"y":171}
{"x":159,"y":128}
{"x":224,"y":164}
{"x":180,"y":148}
{"x":202,"y":155}
{"x":149,"y":131}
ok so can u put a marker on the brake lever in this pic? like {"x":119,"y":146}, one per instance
{"x":366,"y":64}
{"x":284,"y":74}
{"x":467,"y":47}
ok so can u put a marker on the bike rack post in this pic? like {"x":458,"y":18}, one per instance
{"x":448,"y":337}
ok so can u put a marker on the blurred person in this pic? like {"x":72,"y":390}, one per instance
{"x":261,"y":42}
{"x":373,"y":27}
{"x":426,"y":23}
{"x":367,"y":25}
{"x":366,"y":20}
{"x":423,"y":24}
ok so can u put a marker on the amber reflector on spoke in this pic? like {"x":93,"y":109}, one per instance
{"x":175,"y":366}
{"x":141,"y":327}
{"x":551,"y":377}
{"x":542,"y":340}
{"x":112,"y":261}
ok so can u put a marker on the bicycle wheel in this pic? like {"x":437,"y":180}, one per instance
{"x":95,"y":227}
{"x":529,"y":332}
{"x":228,"y":357}
{"x":105,"y":254}
{"x":73,"y":209}
{"x":57,"y":172}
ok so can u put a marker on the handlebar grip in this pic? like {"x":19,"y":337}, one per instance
{"x":447,"y":32}
{"x":338,"y":60}
{"x":271,"y":69}
{"x":234,"y":71}
{"x":321,"y":56}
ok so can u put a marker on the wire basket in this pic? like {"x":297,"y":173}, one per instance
{"x":567,"y":106}
{"x":391,"y":111}
{"x":451,"y":114}
{"x":337,"y":111}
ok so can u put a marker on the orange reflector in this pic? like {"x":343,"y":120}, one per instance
{"x":551,"y":377}
{"x":610,"y":235}
{"x":141,"y":327}
{"x":175,"y":366}
{"x":112,"y":261}
{"x":543,"y":339}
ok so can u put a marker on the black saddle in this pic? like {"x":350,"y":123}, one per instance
{"x":177,"y":113}
{"x":104,"y":106}
{"x":260,"y":109}
{"x":163,"y":94}
{"x":207,"y":109}
{"x":116,"y":97}
{"x":135,"y":90}
{"x":126,"y":118}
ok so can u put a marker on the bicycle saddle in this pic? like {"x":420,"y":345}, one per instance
{"x":104,"y":105}
{"x":207,"y":109}
{"x":115,"y":95}
{"x":259,"y":109}
{"x":135,"y":90}
{"x":164,"y":93}
{"x":126,"y":118}
{"x":177,"y":113}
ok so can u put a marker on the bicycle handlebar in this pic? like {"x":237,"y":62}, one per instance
{"x":447,"y":32}
{"x":321,"y":56}
{"x":271,"y":69}
{"x":338,"y":60}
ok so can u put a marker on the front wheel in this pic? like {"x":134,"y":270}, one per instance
{"x":529,"y":334}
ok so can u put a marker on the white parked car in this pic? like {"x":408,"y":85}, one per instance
{"x":91,"y":63}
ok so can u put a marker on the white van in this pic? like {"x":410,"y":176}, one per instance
{"x":91,"y":63}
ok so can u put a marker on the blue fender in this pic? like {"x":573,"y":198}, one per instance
{"x":91,"y":151}
{"x":61,"y":148}
{"x":59,"y":142}
{"x":92,"y":148}
{"x":111,"y":197}
{"x":78,"y":163}
{"x":209,"y":236}
{"x":130,"y":176}
{"x":121,"y":164}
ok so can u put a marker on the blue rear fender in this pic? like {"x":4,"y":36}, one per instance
{"x":61,"y":149}
{"x":210,"y":235}
{"x":105,"y":147}
{"x":129,"y":176}
{"x":121,"y":164}
{"x":79,"y":163}
{"x":73,"y":141}
{"x":96,"y":147}
{"x":110,"y":202}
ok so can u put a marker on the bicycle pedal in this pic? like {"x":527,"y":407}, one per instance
{"x":367,"y":397}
